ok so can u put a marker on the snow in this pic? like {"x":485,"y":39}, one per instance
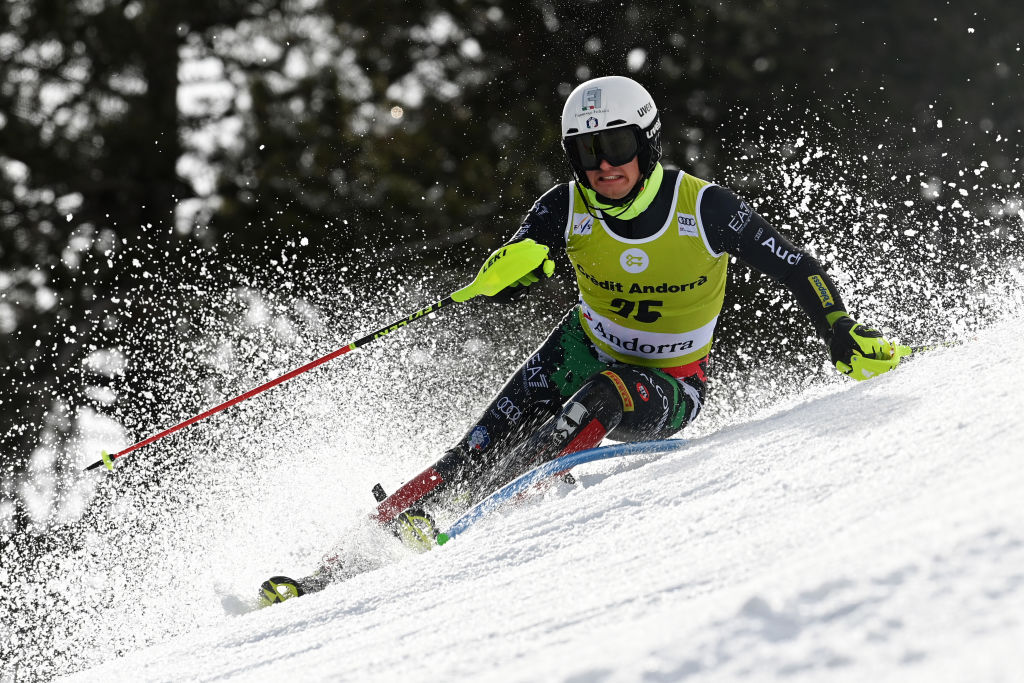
{"x":849,"y":532}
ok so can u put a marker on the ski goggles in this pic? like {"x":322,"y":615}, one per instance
{"x":617,"y":146}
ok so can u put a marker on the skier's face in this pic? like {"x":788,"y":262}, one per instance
{"x":614,"y":182}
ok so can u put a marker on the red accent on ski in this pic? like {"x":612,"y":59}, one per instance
{"x":409,"y":493}
{"x":589,"y":437}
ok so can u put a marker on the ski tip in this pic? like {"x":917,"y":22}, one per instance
{"x":442,"y":538}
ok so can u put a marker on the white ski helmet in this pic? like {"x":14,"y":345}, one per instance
{"x":605,"y":104}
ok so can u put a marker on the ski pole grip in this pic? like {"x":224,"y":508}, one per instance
{"x":505,"y":267}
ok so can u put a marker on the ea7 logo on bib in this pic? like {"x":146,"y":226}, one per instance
{"x":634,"y":260}
{"x":687,"y":224}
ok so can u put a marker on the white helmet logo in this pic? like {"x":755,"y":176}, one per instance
{"x":634,"y":260}
{"x":591,"y":99}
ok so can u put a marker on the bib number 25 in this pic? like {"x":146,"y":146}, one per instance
{"x":645,"y":312}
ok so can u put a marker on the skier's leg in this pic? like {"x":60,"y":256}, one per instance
{"x":531,"y":396}
{"x":664,"y":403}
{"x":625,"y":402}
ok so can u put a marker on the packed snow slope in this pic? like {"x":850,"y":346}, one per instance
{"x":856,"y":532}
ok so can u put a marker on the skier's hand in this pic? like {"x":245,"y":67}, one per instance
{"x":511,"y":267}
{"x":861,"y":352}
{"x":517,"y":290}
{"x":510,"y":295}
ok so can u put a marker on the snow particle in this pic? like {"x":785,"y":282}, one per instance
{"x":635,"y":59}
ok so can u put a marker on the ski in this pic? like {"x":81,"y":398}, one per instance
{"x":549,"y":469}
{"x":278,"y":589}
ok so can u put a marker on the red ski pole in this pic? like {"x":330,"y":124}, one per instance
{"x":513,"y":263}
{"x":108,"y":458}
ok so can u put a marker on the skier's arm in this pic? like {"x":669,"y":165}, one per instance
{"x":732,"y":226}
{"x":544,"y":224}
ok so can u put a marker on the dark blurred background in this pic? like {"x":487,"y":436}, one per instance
{"x":137,"y":135}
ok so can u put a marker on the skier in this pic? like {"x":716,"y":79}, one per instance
{"x":649,"y":248}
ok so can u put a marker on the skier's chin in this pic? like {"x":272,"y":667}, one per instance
{"x":613,"y":189}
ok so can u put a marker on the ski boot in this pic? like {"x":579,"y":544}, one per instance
{"x":280,"y":588}
{"x":416,"y":529}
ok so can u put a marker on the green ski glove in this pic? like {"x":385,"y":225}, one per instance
{"x":519,"y":263}
{"x":861,"y":352}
